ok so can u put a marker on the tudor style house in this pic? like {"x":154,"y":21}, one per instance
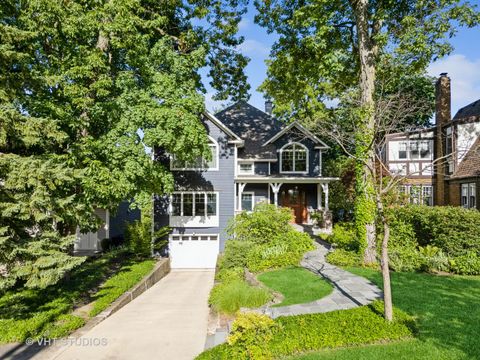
{"x":254,"y":159}
{"x":441,"y":163}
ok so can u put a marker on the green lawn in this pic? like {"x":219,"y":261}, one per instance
{"x":447,"y":309}
{"x":296,"y":284}
{"x":46,"y":312}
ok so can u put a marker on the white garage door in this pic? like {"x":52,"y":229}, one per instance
{"x":193,"y":251}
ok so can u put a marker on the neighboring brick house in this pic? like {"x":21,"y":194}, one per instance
{"x":254,"y":159}
{"x":441,"y":163}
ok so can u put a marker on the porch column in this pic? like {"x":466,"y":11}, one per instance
{"x":319,"y":196}
{"x":241,"y":186}
{"x":325,"y":190}
{"x":275,"y":188}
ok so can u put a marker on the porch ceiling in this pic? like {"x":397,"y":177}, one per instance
{"x":285,"y":179}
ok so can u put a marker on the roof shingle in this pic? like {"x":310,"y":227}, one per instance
{"x":254,"y":127}
{"x":470,"y":165}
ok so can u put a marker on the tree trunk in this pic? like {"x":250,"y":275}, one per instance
{"x":387,"y":288}
{"x":365,"y":194}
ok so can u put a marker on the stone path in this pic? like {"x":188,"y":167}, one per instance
{"x":349,"y":290}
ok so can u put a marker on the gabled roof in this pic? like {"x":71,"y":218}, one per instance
{"x":222,"y":126}
{"x":253,"y":126}
{"x":470,"y":165}
{"x":468,"y":111}
{"x":307,"y":133}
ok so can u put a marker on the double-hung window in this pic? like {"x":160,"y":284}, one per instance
{"x":294,"y":158}
{"x":469,"y":195}
{"x":199,"y":163}
{"x":195,"y":209}
{"x":247,"y":201}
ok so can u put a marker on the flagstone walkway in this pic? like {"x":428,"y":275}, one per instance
{"x":349,"y":290}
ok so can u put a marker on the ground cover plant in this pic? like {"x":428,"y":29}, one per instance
{"x":446,"y":313}
{"x":297,"y":285}
{"x":256,"y":336}
{"x":47,"y":312}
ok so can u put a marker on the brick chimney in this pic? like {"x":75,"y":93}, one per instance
{"x":268,"y":106}
{"x":443,"y":115}
{"x":443,"y":100}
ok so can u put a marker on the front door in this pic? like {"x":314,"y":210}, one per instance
{"x":295,"y":199}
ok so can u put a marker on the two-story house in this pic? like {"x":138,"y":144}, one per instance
{"x":254,"y":159}
{"x":441,"y":164}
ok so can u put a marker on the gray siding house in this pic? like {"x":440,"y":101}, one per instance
{"x":254,"y":159}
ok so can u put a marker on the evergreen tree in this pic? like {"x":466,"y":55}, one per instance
{"x":80,"y":82}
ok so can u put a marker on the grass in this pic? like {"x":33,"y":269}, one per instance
{"x":229,"y":297}
{"x":296,"y":284}
{"x":46,"y":312}
{"x":448,"y":319}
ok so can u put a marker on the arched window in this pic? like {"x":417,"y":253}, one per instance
{"x":200,"y":163}
{"x":294,"y":158}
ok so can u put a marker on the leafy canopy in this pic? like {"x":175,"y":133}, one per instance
{"x":85,"y":88}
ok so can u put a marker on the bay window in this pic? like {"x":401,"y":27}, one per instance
{"x":194,"y":208}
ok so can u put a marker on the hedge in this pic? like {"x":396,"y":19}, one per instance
{"x":455,"y":230}
{"x":258,"y":337}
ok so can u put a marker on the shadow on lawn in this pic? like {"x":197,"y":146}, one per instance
{"x":447,"y":307}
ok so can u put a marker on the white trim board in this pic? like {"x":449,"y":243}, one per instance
{"x":307,"y":133}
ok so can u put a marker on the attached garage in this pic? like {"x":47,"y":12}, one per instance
{"x":194,"y":251}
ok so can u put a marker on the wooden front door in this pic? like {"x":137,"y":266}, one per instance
{"x":295,"y":199}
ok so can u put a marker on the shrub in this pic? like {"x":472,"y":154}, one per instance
{"x":406,"y":258}
{"x":234,"y":255}
{"x":138,"y":237}
{"x":345,"y":258}
{"x":455,"y":230}
{"x":229,"y":297}
{"x":229,"y":274}
{"x":261,"y":225}
{"x":284,"y":250}
{"x":302,"y":333}
{"x":343,"y":236}
{"x":250,"y":331}
{"x":468,"y":264}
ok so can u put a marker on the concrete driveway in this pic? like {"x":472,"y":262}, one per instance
{"x":168,"y":321}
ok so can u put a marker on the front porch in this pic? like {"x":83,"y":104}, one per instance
{"x":304,"y":195}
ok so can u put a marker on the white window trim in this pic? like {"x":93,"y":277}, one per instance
{"x":194,"y":221}
{"x":253,"y":200}
{"x":469,"y":194}
{"x":408,"y":143}
{"x":307,"y":159}
{"x":217,"y":158}
{"x":251,"y":172}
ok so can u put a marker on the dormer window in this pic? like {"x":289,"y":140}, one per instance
{"x":200,"y":163}
{"x":294,"y":158}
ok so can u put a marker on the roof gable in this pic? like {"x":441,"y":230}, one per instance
{"x":223,"y":127}
{"x":470,"y":165}
{"x":295,"y":125}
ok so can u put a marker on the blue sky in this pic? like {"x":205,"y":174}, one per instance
{"x":463,"y":65}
